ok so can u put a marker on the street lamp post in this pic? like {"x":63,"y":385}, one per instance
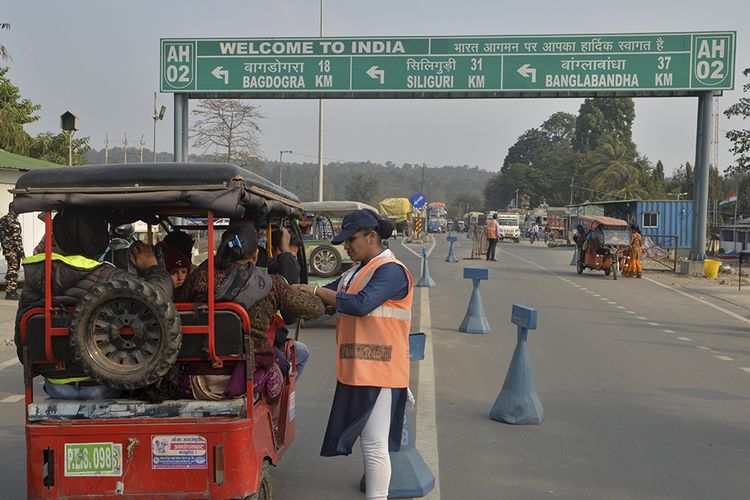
{"x":281,"y":166}
{"x":158,"y":115}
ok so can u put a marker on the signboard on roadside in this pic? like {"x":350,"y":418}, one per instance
{"x":449,"y":66}
{"x":418,"y":200}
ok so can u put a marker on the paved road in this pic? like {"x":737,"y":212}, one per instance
{"x":643,"y":388}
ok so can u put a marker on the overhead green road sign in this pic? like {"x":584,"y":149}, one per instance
{"x":488,"y":66}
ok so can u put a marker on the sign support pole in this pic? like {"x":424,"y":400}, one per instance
{"x":178,"y":102}
{"x":185,"y":127}
{"x":702,"y":159}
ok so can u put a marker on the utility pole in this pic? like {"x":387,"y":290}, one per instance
{"x":281,"y":166}
{"x":516,"y":199}
{"x":421,"y":184}
{"x":125,"y":142}
{"x":106,"y":148}
{"x":142,"y":143}
{"x":320,"y":126}
{"x":571,"y":190}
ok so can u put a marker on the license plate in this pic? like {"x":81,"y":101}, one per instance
{"x":93,"y":459}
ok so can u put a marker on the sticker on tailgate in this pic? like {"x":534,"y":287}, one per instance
{"x":93,"y":459}
{"x":179,"y":452}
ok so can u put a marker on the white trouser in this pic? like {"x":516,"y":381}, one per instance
{"x":374,"y":441}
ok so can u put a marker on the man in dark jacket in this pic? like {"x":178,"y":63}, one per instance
{"x":81,"y":238}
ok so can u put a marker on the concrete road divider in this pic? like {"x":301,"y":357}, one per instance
{"x":452,"y":251}
{"x":475,"y":321}
{"x":517,"y":402}
{"x":425,"y":280}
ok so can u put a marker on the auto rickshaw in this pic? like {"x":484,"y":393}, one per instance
{"x":605,"y":238}
{"x":128,"y":337}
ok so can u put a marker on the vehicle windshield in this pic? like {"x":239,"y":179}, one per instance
{"x":507,"y":221}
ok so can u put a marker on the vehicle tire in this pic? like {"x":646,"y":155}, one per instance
{"x":125,"y":333}
{"x":264,"y":485}
{"x":579,"y":268}
{"x":325,"y":261}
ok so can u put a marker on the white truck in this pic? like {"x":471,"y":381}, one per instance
{"x":510,"y":226}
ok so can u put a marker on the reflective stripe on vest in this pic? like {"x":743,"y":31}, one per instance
{"x":78,"y":261}
{"x":373,"y":350}
{"x":69,"y":380}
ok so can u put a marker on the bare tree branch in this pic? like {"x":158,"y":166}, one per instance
{"x":227,"y":128}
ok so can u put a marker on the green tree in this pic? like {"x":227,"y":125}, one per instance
{"x":4,"y":55}
{"x":602,"y":117}
{"x":15,"y":112}
{"x":466,"y":202}
{"x":528,"y":148}
{"x":362,"y":187}
{"x":54,"y":148}
{"x":613,"y":172}
{"x":740,"y":137}
{"x":501,"y":189}
{"x":682,"y":181}
{"x":560,"y":127}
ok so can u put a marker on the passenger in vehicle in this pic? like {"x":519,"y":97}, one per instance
{"x":81,"y":238}
{"x":178,"y":267}
{"x":182,"y":242}
{"x":286,"y":265}
{"x":237,"y":279}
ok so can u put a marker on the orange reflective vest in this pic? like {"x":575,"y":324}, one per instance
{"x":493,"y":229}
{"x":373,"y":350}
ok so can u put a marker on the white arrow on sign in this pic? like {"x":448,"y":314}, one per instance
{"x":378,"y":74}
{"x":221,"y":73}
{"x":526,"y":70}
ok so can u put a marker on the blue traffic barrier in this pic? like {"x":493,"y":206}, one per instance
{"x":410,"y":475}
{"x":475,"y":321}
{"x":452,"y":251}
{"x":425,"y":280}
{"x":518,"y":402}
{"x":416,"y":346}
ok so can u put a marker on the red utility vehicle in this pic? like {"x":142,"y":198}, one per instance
{"x":124,"y":448}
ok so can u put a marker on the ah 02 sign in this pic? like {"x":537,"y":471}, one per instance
{"x":178,"y":71}
{"x":712,"y":60}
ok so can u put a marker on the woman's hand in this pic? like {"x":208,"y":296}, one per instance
{"x":327,"y":296}
{"x":304,"y":288}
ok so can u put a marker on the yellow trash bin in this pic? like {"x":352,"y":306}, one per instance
{"x":711,"y":268}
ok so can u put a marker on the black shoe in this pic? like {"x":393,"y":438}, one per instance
{"x":11,"y":295}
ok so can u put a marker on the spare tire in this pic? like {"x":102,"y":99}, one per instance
{"x":325,"y":261}
{"x":126,"y":334}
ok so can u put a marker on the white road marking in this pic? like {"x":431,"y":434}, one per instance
{"x":426,"y":441}
{"x":703,"y":348}
{"x":9,"y":362}
{"x":724,"y":358}
{"x":621,"y":307}
{"x":612,"y":303}
{"x":651,"y":323}
{"x":642,"y":318}
{"x":668,"y":331}
{"x":584,"y":289}
{"x":704,"y":302}
{"x":685,"y":339}
{"x":595,"y":294}
{"x":419,"y":255}
{"x":13,"y":399}
{"x":603,"y":298}
{"x":630,"y":312}
{"x":745,"y":369}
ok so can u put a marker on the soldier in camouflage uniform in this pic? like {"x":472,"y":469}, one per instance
{"x":10,"y":238}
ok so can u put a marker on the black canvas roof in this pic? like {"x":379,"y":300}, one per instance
{"x":228,"y":190}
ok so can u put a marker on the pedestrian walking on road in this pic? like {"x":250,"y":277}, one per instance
{"x":493,"y":231}
{"x":373,"y":301}
{"x":534,"y":232}
{"x":12,"y":243}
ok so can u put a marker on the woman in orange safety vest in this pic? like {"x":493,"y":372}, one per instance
{"x":373,"y":301}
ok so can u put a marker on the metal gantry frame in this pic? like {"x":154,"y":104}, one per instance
{"x":702,"y":159}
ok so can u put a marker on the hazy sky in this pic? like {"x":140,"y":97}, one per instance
{"x":100,"y":60}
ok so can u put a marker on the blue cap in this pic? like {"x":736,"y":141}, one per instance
{"x":353,"y":222}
